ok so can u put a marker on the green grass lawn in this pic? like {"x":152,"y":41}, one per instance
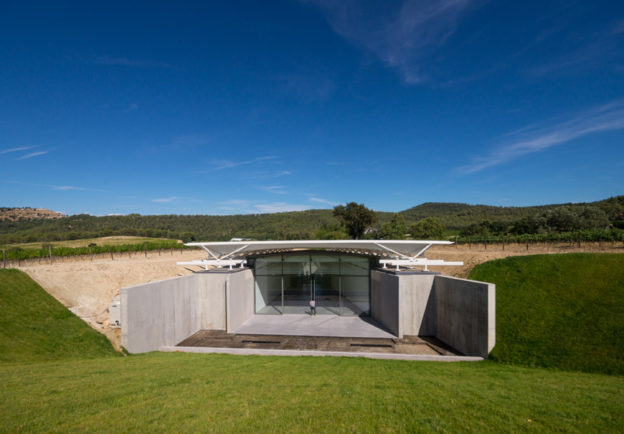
{"x":35,"y":326}
{"x":563,"y":311}
{"x":199,"y":392}
{"x":56,"y":374}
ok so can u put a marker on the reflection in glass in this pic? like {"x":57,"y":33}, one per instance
{"x":339,"y":284}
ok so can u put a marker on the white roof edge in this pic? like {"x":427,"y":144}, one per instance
{"x":329,"y":243}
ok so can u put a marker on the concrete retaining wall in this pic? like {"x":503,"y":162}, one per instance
{"x":211,"y":301}
{"x":459,"y":312}
{"x":241,"y":298}
{"x":158,"y":313}
{"x":417,"y":311}
{"x":166,"y":312}
{"x":467,"y":313}
{"x":384,"y":303}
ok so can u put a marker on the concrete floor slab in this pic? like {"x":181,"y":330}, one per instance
{"x":266,"y":352}
{"x":308,"y":325}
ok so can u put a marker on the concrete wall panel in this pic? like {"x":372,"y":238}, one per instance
{"x":385,"y":300}
{"x":417,"y":305}
{"x":241,"y":298}
{"x":211,"y":301}
{"x":466,"y":314}
{"x":158,"y":313}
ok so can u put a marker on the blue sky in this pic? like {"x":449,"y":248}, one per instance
{"x":249,"y":107}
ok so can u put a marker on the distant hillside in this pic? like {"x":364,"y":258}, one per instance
{"x":461,"y":215}
{"x":285,"y":225}
{"x":17,"y":214}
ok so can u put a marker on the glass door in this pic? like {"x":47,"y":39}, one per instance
{"x":326,"y":282}
{"x":339,"y":284}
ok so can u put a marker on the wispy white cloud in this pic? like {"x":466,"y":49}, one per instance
{"x":595,"y":51}
{"x":229,"y":164}
{"x":237,"y":206}
{"x":55,"y":187}
{"x":267,"y":174}
{"x":75,"y":188}
{"x":133,"y":63}
{"x":18,"y":149}
{"x":32,"y":155}
{"x":279,"y":207}
{"x":275,"y":189}
{"x":537,"y":138}
{"x":244,"y":206}
{"x":68,"y":188}
{"x":401,"y":37}
{"x":323,"y":201}
{"x":164,"y":199}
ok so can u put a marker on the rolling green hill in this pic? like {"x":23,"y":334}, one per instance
{"x":461,"y":215}
{"x":285,"y":225}
{"x":35,"y":327}
{"x":559,"y":311}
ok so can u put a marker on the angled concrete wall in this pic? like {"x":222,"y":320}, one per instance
{"x":466,"y":311}
{"x":459,"y":312}
{"x":166,"y":312}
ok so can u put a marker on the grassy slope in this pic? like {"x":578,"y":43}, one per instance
{"x":34,"y":326}
{"x":192,"y":392}
{"x":563,"y":311}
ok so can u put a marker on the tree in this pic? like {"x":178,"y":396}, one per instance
{"x":528,"y":225}
{"x":427,"y":228}
{"x":395,"y":229}
{"x":330,"y":232}
{"x":355,"y":217}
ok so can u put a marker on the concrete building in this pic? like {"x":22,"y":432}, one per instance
{"x":364,"y":288}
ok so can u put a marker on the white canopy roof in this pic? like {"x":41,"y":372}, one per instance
{"x":402,"y":252}
{"x":393,"y":248}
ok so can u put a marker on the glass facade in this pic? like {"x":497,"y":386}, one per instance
{"x":339,"y":284}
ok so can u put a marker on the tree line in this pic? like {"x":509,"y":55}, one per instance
{"x":352,"y":220}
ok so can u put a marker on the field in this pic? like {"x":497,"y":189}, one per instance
{"x":101,"y":241}
{"x":50,"y":387}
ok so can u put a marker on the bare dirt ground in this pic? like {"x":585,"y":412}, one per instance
{"x":87,"y":286}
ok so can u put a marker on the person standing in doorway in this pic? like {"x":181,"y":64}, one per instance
{"x":312,"y":307}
